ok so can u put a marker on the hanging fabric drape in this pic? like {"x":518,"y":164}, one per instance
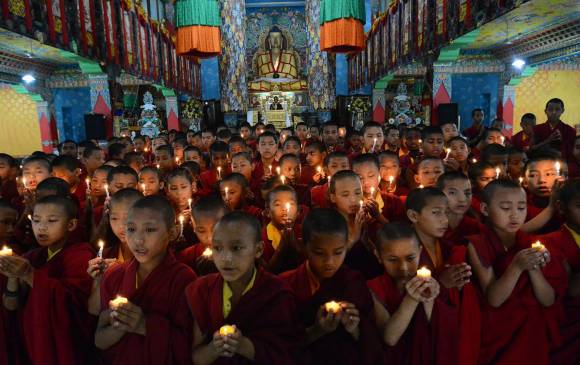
{"x":342,"y":26}
{"x":198,"y":28}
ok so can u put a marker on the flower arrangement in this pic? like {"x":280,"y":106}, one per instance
{"x":359,"y":105}
{"x":192,"y":109}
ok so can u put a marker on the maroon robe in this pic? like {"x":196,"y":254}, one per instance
{"x":8,"y":190}
{"x":566,"y":145}
{"x":521,"y":330}
{"x":266,"y":314}
{"x":569,"y":351}
{"x":318,"y":196}
{"x":161,"y":297}
{"x":467,"y":227}
{"x":338,"y":347}
{"x":56,"y":324}
{"x":394,"y":209}
{"x":424,"y":342}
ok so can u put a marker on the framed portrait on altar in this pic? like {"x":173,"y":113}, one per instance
{"x":421,"y":29}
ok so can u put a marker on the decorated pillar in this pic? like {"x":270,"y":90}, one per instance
{"x":100,"y":99}
{"x":379,"y":105}
{"x":46,"y":132}
{"x":321,"y":65}
{"x":172,"y":112}
{"x":234,"y":88}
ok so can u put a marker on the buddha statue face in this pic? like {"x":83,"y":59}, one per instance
{"x":275,"y":40}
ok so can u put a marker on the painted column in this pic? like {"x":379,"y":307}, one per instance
{"x":234,"y":88}
{"x":100,"y":99}
{"x":441,"y":92}
{"x":379,"y":105}
{"x":49,"y":141}
{"x":172,"y":112}
{"x":321,"y":65}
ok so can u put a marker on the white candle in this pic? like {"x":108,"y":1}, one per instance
{"x":278,"y":170}
{"x":117,"y":302}
{"x":101,"y":248}
{"x":421,"y":186}
{"x":24,"y":183}
{"x":219,"y":171}
{"x":288,"y":208}
{"x":558,"y":167}
{"x":227,"y":330}
{"x":107,"y":190}
{"x":283,"y":179}
{"x":158,"y":166}
{"x":424,"y":273}
{"x":332,"y":307}
{"x":226,"y":190}
{"x":372,"y":192}
{"x":143,"y":188}
{"x":362,"y":204}
{"x":497,"y":171}
{"x":502,"y":140}
{"x":474,"y":160}
{"x":6,"y":251}
{"x":177,"y":160}
{"x":374,"y":144}
{"x":391,"y":180}
{"x":521,"y":179}
{"x":448,"y":152}
{"x":146,"y":149}
{"x":189,"y":201}
{"x":270,"y":167}
{"x":319,"y":169}
{"x":181,"y":221}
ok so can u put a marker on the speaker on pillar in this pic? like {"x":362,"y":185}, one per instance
{"x":447,"y":113}
{"x":95,"y":126}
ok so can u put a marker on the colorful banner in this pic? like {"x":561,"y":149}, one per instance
{"x":110,"y":30}
{"x":57,"y":22}
{"x":422,"y":14}
{"x":407,"y":27}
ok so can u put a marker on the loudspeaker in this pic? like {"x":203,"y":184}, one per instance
{"x":95,"y":126}
{"x":447,"y":113}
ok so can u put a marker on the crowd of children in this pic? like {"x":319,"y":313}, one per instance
{"x":309,"y":245}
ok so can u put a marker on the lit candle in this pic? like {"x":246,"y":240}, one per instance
{"x":374,"y":144}
{"x":420,"y":141}
{"x":538,"y":246}
{"x":319,"y":169}
{"x":24,"y":183}
{"x":227,"y":330}
{"x":226,"y":190}
{"x":146,"y":149}
{"x":372,"y":192}
{"x":502,"y":140}
{"x":332,"y":307}
{"x":107,"y":190}
{"x":270,"y":167}
{"x":283,"y":179}
{"x":558,"y":167}
{"x":181,"y":221}
{"x":497,"y":171}
{"x":6,"y":251}
{"x":362,"y":204}
{"x":474,"y":160}
{"x":207,"y":252}
{"x":288,"y":208}
{"x":278,"y":170}
{"x":421,"y":186}
{"x":88,"y":182}
{"x":424,"y":273}
{"x":158,"y":166}
{"x":521,"y":179}
{"x":448,"y":152}
{"x":391,"y":180}
{"x":101,"y":248}
{"x":117,"y":302}
{"x":219,"y":170}
{"x":189,"y":201}
{"x":29,"y":217}
{"x":143,"y":188}
{"x":177,"y":160}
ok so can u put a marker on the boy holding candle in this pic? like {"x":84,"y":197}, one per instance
{"x":68,"y":169}
{"x":373,"y":137}
{"x":281,"y":234}
{"x":152,"y":325}
{"x":458,"y":155}
{"x":242,"y":314}
{"x":417,"y":325}
{"x":390,"y":171}
{"x":343,"y":334}
{"x":8,"y":176}
{"x":205,"y":214}
{"x":433,"y":142}
{"x":121,"y":177}
{"x":235,"y":193}
{"x":220,"y":157}
{"x":267,"y":148}
{"x":411,"y":146}
{"x":313,"y":173}
{"x":56,"y":326}
{"x":520,"y":284}
{"x":428,"y":171}
{"x":333,"y":163}
{"x":566,"y":240}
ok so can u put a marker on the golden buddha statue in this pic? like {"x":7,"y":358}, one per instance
{"x":276,"y":65}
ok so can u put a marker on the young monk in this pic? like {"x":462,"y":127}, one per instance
{"x":205,"y":214}
{"x":313,"y":173}
{"x":480,"y":174}
{"x":345,"y":334}
{"x":235,"y":192}
{"x":413,"y":320}
{"x":428,"y":171}
{"x":114,"y":240}
{"x":266,"y":165}
{"x":150,"y":181}
{"x":333,"y":163}
{"x":519,"y":282}
{"x":281,"y":234}
{"x":457,"y":188}
{"x":152,"y":326}
{"x":220,"y":156}
{"x":457,"y":159}
{"x":8,"y":173}
{"x":567,"y":241}
{"x":346,"y":193}
{"x":56,"y":325}
{"x":259,"y":310}
{"x":121,"y":177}
{"x":390,"y":170}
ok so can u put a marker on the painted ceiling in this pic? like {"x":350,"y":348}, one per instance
{"x":529,"y":18}
{"x":27,"y":47}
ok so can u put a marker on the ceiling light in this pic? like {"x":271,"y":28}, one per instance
{"x":28,"y":78}
{"x":519,"y":63}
